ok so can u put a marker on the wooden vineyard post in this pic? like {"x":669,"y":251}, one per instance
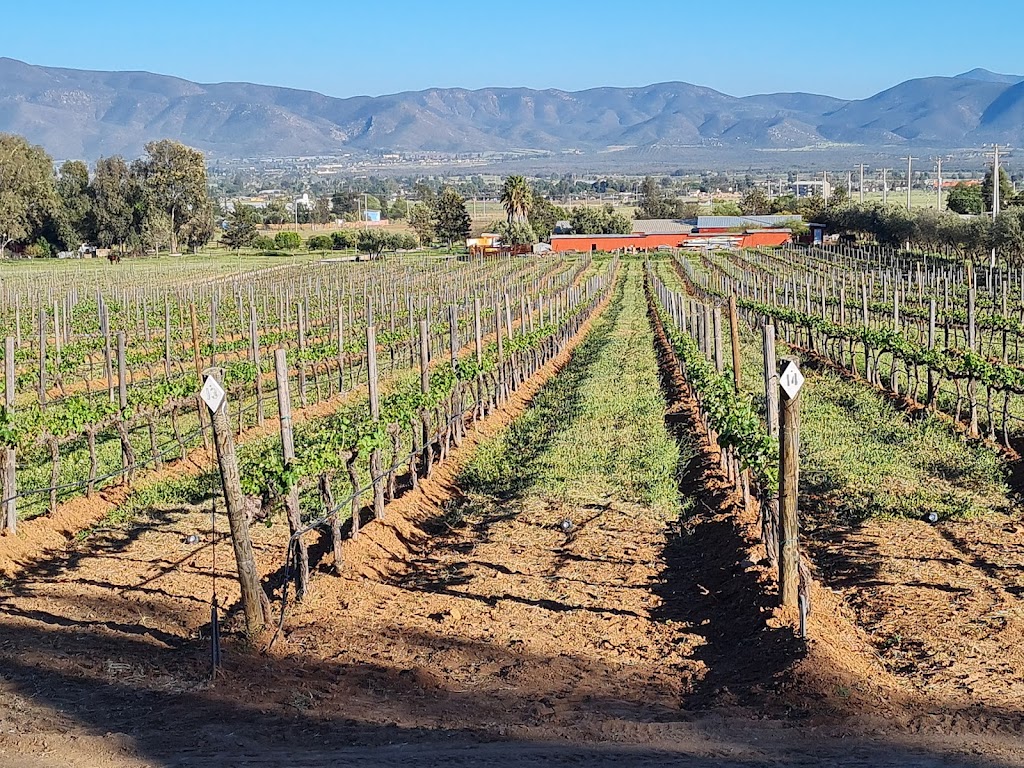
{"x":341,"y":350}
{"x":167,"y":338}
{"x":301,"y":320}
{"x":716,"y":326}
{"x":972,"y":384}
{"x":428,"y":452}
{"x":376,"y":477}
{"x":770,"y":513}
{"x":931,"y":346}
{"x":790,"y":384}
{"x":42,"y":358}
{"x":734,"y":335}
{"x":254,"y":599}
{"x":254,"y":349}
{"x":108,"y":367}
{"x":10,"y":487}
{"x":770,"y":380}
{"x":291,"y":501}
{"x":479,"y":346}
{"x":199,"y":372}
{"x":127,"y":452}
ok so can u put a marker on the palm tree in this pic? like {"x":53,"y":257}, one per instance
{"x":516,"y":197}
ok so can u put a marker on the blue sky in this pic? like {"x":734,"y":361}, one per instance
{"x":844,"y":48}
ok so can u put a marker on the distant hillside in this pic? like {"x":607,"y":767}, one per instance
{"x":991,"y":77}
{"x":83,"y":114}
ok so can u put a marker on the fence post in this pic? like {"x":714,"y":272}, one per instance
{"x":734,"y":334}
{"x":291,"y":500}
{"x":10,"y":486}
{"x":428,"y":451}
{"x":254,"y":599}
{"x":790,"y":384}
{"x":372,"y":383}
{"x":199,"y":371}
{"x":42,"y":358}
{"x":254,"y":349}
{"x":716,"y":324}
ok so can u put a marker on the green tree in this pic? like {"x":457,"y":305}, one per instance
{"x":343,"y":239}
{"x":117,"y":202}
{"x":276,"y":212}
{"x":544,"y":215}
{"x":321,"y":212}
{"x":241,"y":229}
{"x":452,"y":220}
{"x":320,"y":243}
{"x":72,"y":222}
{"x":343,"y":201}
{"x":1006,"y":193}
{"x":754,"y":202}
{"x":198,"y":229}
{"x":27,"y":194}
{"x":515,"y":233}
{"x":655,"y":204}
{"x":399,"y":209}
{"x":516,"y":198}
{"x":966,"y":198}
{"x":1008,"y":235}
{"x":599,"y":221}
{"x":287,"y":241}
{"x":174,"y":177}
{"x":375,"y":241}
{"x":421,"y":219}
{"x":726,"y":208}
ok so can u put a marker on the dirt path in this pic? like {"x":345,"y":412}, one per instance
{"x":472,"y":630}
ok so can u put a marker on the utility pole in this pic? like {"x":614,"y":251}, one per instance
{"x":938,"y":185}
{"x":861,"y":188}
{"x":995,"y":192}
{"x":824,"y":186}
{"x":910,"y":171}
{"x":995,"y":182}
{"x":885,"y":186}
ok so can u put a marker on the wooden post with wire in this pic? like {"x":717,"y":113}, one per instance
{"x":790,"y":383}
{"x":734,"y":337}
{"x":10,"y":485}
{"x":291,"y":499}
{"x":376,"y":473}
{"x":255,"y":604}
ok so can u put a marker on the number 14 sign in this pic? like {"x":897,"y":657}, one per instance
{"x":791,"y":379}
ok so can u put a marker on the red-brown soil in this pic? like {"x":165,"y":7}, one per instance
{"x":497,"y":641}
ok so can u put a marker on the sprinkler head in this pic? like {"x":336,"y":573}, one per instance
{"x":931,"y":517}
{"x":192,"y":538}
{"x":565,"y":525}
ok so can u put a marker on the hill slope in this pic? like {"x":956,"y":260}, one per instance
{"x":79,"y":113}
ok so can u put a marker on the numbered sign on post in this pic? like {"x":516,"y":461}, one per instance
{"x":791,"y":379}
{"x":212,"y":394}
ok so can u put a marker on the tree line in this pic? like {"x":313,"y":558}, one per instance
{"x":158,"y":200}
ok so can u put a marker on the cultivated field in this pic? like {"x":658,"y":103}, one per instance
{"x":513,"y":512}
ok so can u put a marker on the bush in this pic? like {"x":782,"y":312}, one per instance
{"x":344,"y":239}
{"x":40,"y":249}
{"x":264,"y":243}
{"x":320,"y":243}
{"x":287,"y":241}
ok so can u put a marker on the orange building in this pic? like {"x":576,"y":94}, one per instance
{"x":702,"y":232}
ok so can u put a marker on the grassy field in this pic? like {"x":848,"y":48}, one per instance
{"x":597,"y":430}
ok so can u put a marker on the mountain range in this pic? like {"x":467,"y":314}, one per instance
{"x":84,"y":114}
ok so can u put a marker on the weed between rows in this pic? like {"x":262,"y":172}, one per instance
{"x":861,"y":457}
{"x":596,"y":430}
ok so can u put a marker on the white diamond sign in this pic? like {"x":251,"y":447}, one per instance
{"x":791,"y":379}
{"x":212,"y":394}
